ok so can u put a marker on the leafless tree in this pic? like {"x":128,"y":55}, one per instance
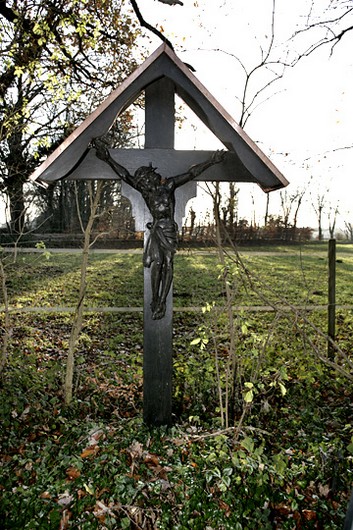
{"x":349,"y":230}
{"x":318,"y":204}
{"x":332,"y":219}
{"x":290,"y":204}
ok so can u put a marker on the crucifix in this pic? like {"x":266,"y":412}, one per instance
{"x":158,"y":202}
{"x":160,"y":242}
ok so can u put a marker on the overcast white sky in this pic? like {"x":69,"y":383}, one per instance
{"x":307,"y":120}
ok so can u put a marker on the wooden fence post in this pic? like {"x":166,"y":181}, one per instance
{"x":331,"y":327}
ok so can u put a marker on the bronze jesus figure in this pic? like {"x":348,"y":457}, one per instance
{"x":158,"y":194}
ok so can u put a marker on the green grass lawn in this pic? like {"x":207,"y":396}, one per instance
{"x":283,"y":461}
{"x":297,"y":275}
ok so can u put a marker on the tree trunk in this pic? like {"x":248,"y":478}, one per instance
{"x":267,"y":208}
{"x":320,"y":223}
{"x":17,"y":204}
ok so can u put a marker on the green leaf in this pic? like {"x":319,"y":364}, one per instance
{"x":279,"y":463}
{"x":226,"y":480}
{"x":282,"y":388}
{"x":248,"y":444}
{"x":249,"y":396}
{"x":209,"y":476}
{"x":89,"y":489}
{"x":125,"y":523}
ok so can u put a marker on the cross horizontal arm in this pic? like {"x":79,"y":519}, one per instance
{"x":169,"y":163}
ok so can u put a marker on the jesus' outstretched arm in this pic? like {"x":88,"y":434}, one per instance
{"x":102,"y":153}
{"x":197,"y":169}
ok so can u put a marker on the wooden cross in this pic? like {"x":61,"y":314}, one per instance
{"x":160,"y":77}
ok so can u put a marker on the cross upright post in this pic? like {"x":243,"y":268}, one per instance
{"x":158,"y":334}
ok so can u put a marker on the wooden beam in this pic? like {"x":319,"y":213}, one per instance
{"x":159,"y":114}
{"x":158,"y":334}
{"x":169,"y":162}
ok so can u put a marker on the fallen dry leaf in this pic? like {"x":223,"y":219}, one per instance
{"x":65,"y":499}
{"x":72,"y":473}
{"x":94,"y":436}
{"x":225,"y":507}
{"x":81,"y":493}
{"x":45,"y":495}
{"x":309,"y":515}
{"x":101,"y":510}
{"x":65,"y":519}
{"x":89,"y":451}
{"x":151,"y":460}
{"x":324,"y":490}
{"x":135,"y":450}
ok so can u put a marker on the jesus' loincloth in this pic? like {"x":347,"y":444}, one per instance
{"x":162,"y":241}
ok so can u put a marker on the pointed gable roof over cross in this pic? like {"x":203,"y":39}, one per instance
{"x":244,"y":162}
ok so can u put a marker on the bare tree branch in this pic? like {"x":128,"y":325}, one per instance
{"x":331,"y":37}
{"x":148,"y":26}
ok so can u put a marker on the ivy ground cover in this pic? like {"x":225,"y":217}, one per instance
{"x":283,"y":459}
